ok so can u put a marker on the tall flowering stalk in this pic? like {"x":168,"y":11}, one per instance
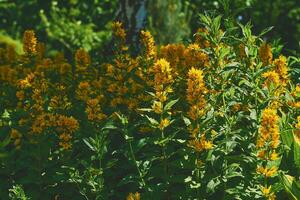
{"x":267,"y":144}
{"x":29,"y":42}
{"x":276,"y":80}
{"x":148,"y":42}
{"x":196,"y":92}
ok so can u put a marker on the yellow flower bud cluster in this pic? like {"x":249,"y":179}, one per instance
{"x":265,"y":54}
{"x":29,"y":42}
{"x":196,"y":92}
{"x":148,"y":42}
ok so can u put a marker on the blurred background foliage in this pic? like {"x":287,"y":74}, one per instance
{"x":69,"y":24}
{"x":65,"y":25}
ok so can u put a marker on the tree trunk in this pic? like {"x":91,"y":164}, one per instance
{"x":133,"y":14}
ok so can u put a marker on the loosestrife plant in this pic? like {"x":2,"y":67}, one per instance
{"x":216,"y":118}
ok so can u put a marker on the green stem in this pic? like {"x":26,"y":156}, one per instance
{"x":135,"y":162}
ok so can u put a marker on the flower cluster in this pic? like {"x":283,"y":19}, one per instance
{"x":265,"y":54}
{"x":29,"y":42}
{"x":268,"y":141}
{"x":149,"y":44}
{"x":196,"y":92}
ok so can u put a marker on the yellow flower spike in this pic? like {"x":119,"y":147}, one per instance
{"x":194,"y":57}
{"x":149,"y":44}
{"x":280,"y":65}
{"x":196,"y":91}
{"x":162,"y":74}
{"x":93,"y":110}
{"x":269,"y":129}
{"x":265,"y":53}
{"x":118,"y":30}
{"x":82,"y":59}
{"x":29,"y":42}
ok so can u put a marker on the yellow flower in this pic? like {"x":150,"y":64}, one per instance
{"x":83,"y":91}
{"x":280,"y":65}
{"x":261,"y":154}
{"x":266,"y":191}
{"x":274,"y":155}
{"x":196,"y":91}
{"x":65,"y":145}
{"x":271,"y":77}
{"x":265,"y":53}
{"x":65,"y":137}
{"x":269,"y":128}
{"x":27,"y":82}
{"x":157,"y":107}
{"x":196,"y":86}
{"x":82,"y":59}
{"x":200,"y":39}
{"x":29,"y":42}
{"x":174,"y":54}
{"x":93,"y":110}
{"x":271,"y":171}
{"x":208,"y":145}
{"x":200,"y":144}
{"x":267,"y":172}
{"x":149,"y":44}
{"x":20,"y":95}
{"x":135,"y":196}
{"x":164,"y":123}
{"x":118,"y":30}
{"x":68,"y":123}
{"x":194,"y":57}
{"x":162,"y":74}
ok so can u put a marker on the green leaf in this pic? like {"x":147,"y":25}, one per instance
{"x":297,"y":151}
{"x":266,"y":31}
{"x":170,"y":104}
{"x":89,"y":144}
{"x":287,"y":137}
{"x":5,"y":142}
{"x":152,"y":121}
{"x":291,"y":186}
{"x":186,"y":120}
{"x":145,"y":109}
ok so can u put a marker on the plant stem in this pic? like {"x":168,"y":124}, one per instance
{"x":137,"y":167}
